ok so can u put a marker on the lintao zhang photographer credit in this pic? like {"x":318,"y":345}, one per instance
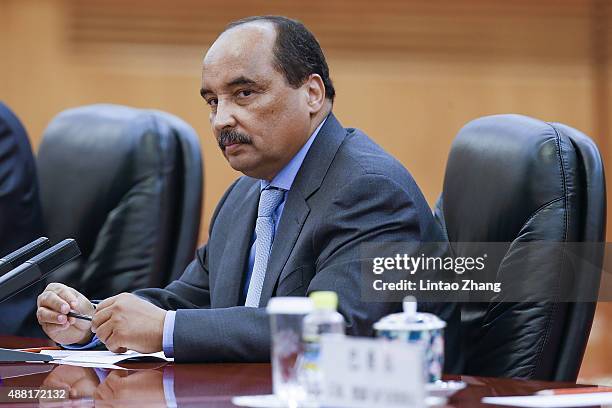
{"x":483,"y":272}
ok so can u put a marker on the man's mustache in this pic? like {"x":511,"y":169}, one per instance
{"x":228,"y":137}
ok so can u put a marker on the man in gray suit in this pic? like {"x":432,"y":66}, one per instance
{"x":312,"y":193}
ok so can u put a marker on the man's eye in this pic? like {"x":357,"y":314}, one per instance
{"x":245,"y":93}
{"x":212,"y":101}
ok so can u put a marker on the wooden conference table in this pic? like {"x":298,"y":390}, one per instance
{"x":201,"y":385}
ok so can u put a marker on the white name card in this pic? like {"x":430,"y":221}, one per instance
{"x":363,"y":372}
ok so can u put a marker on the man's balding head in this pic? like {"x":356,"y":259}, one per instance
{"x":297,"y":52}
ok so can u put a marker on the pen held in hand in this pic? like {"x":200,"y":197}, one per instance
{"x":79,"y":316}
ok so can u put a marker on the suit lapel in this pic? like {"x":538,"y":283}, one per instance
{"x":307,"y":182}
{"x":237,"y":250}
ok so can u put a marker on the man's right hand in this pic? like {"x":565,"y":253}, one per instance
{"x":52,"y":313}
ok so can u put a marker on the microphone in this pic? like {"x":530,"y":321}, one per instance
{"x":28,"y":273}
{"x":37,"y":268}
{"x":19,"y":256}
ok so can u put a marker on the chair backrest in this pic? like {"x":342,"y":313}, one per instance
{"x":126,"y":183}
{"x":20,"y":216}
{"x":593,"y":229}
{"x":515,"y":179}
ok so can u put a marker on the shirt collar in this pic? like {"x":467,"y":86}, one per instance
{"x":284,"y":178}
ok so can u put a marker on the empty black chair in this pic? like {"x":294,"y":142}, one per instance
{"x":126,"y":183}
{"x":20,"y":217}
{"x":514,"y":179}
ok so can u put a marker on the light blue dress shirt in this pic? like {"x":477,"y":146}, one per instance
{"x":283,"y":180}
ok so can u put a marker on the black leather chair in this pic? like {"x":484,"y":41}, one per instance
{"x":20,"y":217}
{"x":126,"y":183}
{"x":514,"y":179}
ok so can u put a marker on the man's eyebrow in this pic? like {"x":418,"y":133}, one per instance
{"x":241,"y":80}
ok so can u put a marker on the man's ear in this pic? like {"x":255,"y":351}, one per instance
{"x":315,"y":91}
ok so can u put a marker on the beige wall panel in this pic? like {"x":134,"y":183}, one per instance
{"x":415,"y":110}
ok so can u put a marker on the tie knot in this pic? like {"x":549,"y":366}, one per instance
{"x":269,"y":199}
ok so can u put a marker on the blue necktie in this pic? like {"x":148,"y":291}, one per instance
{"x":269,"y":199}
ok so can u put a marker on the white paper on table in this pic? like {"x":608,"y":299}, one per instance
{"x":103,"y":357}
{"x":92,"y":365}
{"x":56,"y":354}
{"x":553,"y":401}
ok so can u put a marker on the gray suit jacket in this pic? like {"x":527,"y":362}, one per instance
{"x":347,"y":192}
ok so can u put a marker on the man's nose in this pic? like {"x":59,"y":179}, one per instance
{"x":224,"y":117}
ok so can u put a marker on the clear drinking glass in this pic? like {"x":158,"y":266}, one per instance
{"x":286,"y":315}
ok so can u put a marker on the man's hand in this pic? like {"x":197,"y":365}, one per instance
{"x":126,"y":322}
{"x":52,"y":313}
